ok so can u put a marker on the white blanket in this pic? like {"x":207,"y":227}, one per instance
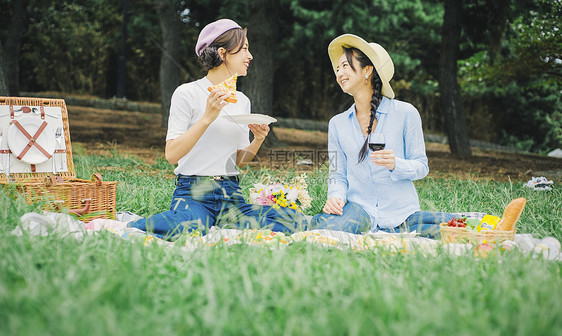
{"x":48,"y":223}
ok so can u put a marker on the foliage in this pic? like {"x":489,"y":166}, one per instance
{"x":523,"y":84}
{"x":75,"y":47}
{"x":510,"y":55}
{"x":408,"y":30}
{"x":71,"y":57}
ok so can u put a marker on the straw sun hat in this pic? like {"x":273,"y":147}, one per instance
{"x":380,"y":58}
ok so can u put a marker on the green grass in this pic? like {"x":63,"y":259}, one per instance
{"x":104,"y":285}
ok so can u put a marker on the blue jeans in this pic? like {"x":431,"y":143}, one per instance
{"x":200,"y":202}
{"x":426,"y":223}
{"x":356,"y":220}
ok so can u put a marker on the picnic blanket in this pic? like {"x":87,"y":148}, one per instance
{"x":48,"y":223}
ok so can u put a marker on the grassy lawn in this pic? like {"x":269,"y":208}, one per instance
{"x":104,"y":285}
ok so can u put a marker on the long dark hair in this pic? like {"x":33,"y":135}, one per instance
{"x":232,"y":40}
{"x":376,"y":83}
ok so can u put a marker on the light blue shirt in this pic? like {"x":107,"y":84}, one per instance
{"x":389,"y":197}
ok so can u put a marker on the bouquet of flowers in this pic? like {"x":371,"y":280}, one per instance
{"x":277,"y":194}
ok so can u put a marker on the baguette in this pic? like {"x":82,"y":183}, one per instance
{"x":511,"y":214}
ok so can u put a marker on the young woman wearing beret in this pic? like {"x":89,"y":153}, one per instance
{"x":208,"y":147}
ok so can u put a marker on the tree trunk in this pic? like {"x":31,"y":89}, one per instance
{"x":12,"y":47}
{"x":262,"y":28}
{"x":497,"y":27}
{"x":122,"y":67}
{"x":169,"y":72}
{"x":4,"y":90}
{"x":451,"y":101}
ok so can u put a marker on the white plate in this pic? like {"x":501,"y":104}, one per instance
{"x":17,"y":140}
{"x":246,"y":119}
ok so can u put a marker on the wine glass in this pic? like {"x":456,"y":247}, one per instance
{"x":376,"y":141}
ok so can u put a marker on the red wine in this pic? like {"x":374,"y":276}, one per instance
{"x":376,"y":146}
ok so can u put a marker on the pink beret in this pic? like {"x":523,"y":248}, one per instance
{"x":211,"y":31}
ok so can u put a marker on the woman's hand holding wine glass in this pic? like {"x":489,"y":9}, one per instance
{"x":376,"y":142}
{"x":379,"y":155}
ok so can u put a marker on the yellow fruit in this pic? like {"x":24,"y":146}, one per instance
{"x":489,"y":222}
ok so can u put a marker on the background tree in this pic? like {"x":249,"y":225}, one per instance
{"x":521,"y":88}
{"x":4,"y":91}
{"x":508,"y":59}
{"x":122,"y":66}
{"x":405,"y":29}
{"x":263,"y":24}
{"x":12,"y":45}
{"x":171,"y":38}
{"x":65,"y":45}
{"x":262,"y":35}
{"x":451,"y":100}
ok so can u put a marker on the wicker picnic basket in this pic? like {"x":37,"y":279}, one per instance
{"x":56,"y":189}
{"x":451,"y":234}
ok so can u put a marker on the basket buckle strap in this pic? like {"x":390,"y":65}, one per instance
{"x":32,"y":139}
{"x":51,"y":180}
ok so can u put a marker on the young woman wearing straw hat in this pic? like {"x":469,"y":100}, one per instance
{"x":207,"y":146}
{"x":373,"y":190}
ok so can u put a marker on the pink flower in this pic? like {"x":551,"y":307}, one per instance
{"x":264,"y":199}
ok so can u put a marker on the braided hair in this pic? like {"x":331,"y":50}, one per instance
{"x":376,"y":83}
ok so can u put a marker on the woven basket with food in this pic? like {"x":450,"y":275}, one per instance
{"x":488,"y":229}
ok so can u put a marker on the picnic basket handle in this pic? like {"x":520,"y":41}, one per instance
{"x":96,"y":177}
{"x":83,"y":210}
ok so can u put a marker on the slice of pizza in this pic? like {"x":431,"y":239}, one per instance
{"x":228,"y":85}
